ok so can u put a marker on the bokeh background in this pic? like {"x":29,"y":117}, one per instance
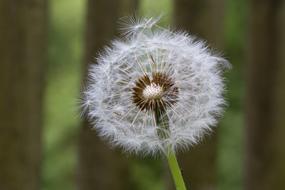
{"x":45,"y":49}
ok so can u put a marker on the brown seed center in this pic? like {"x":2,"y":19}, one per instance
{"x":155,"y":92}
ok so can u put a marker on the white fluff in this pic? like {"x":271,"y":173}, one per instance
{"x":194,"y":68}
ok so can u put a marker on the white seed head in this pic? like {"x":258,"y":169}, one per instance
{"x":154,"y":68}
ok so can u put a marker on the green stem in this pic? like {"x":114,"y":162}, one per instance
{"x":162,"y":122}
{"x":175,"y":171}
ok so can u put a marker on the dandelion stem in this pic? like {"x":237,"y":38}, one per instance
{"x":162,"y":122}
{"x":175,"y":171}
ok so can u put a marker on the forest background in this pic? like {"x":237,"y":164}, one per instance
{"x":45,"y":49}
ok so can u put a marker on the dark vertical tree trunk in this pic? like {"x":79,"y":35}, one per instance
{"x":265,"y":153}
{"x":100,"y":167}
{"x":22,"y":54}
{"x":204,"y":19}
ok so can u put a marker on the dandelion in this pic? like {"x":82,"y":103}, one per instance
{"x":155,"y":91}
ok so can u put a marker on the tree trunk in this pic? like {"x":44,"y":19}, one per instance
{"x":265,"y":153}
{"x":22,"y":54}
{"x":204,"y":19}
{"x":101,"y":167}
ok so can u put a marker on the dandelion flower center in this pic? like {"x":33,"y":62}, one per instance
{"x":152,"y":91}
{"x":157,"y":91}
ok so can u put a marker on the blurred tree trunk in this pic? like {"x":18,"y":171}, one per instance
{"x":101,"y":167}
{"x":22,"y":56}
{"x":265,"y":123}
{"x":204,"y":19}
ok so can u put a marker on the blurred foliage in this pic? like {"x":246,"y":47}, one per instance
{"x":163,"y":8}
{"x":62,"y":94}
{"x":230,"y":149}
{"x":62,"y":114}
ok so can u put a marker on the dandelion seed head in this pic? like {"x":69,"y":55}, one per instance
{"x":155,"y":69}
